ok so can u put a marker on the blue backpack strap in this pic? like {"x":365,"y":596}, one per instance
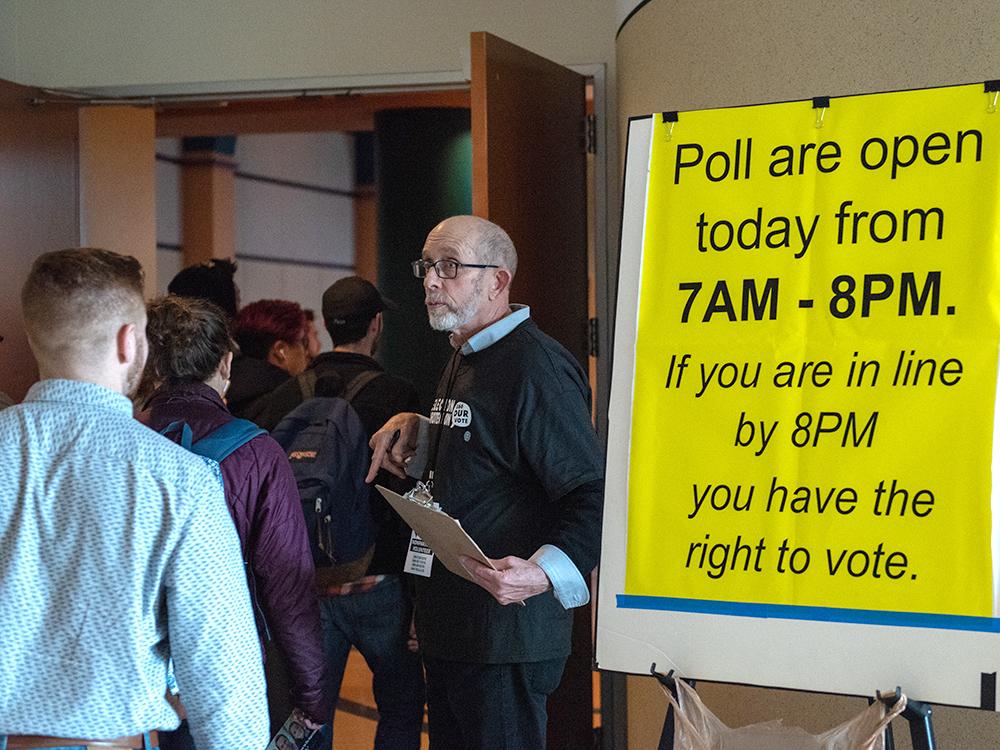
{"x":220,"y":443}
{"x":214,"y":448}
{"x":173,"y":427}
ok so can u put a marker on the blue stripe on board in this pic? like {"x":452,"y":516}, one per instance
{"x":820,"y":614}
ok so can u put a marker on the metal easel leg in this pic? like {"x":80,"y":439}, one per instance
{"x":918,"y":714}
{"x":667,"y":734}
{"x":889,"y":740}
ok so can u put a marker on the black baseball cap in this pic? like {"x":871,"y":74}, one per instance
{"x":351,"y":300}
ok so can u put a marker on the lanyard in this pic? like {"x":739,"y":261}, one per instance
{"x":438,"y":429}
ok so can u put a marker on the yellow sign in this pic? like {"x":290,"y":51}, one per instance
{"x":816,"y":361}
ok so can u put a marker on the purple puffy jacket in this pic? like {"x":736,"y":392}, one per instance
{"x":264,"y":503}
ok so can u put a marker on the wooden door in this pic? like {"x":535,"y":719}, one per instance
{"x":68,"y":176}
{"x":39,"y":211}
{"x":529,"y":176}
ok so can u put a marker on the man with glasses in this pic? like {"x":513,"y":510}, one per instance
{"x":510,"y":451}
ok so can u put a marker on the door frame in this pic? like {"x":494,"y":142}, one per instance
{"x":604,"y":230}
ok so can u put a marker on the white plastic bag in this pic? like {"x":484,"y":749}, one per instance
{"x":697,"y":728}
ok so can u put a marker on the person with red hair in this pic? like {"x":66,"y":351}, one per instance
{"x":273,"y":338}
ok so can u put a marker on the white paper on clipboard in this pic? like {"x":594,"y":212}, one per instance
{"x":441,"y":532}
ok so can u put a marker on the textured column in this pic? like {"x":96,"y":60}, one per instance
{"x":207,"y":199}
{"x":118,"y":183}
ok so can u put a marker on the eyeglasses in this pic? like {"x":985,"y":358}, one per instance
{"x":444,"y":268}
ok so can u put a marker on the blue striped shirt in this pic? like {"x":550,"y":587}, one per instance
{"x":117,"y":552}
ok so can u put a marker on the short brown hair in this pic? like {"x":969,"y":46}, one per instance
{"x":71,"y":295}
{"x":188,"y":338}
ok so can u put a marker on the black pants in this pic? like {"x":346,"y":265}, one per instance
{"x":179,"y":739}
{"x":489,"y":706}
{"x":279,"y":702}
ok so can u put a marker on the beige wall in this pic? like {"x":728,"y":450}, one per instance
{"x":118,"y":183}
{"x":79,"y":177}
{"x":103,"y":43}
{"x":38,"y":213}
{"x":693,"y":54}
{"x":8,"y":49}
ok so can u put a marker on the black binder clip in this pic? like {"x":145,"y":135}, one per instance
{"x":992,"y":87}
{"x":821,"y":104}
{"x":669,"y":119}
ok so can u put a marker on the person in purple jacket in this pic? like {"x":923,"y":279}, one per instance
{"x":190,"y":354}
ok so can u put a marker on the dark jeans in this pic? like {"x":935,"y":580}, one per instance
{"x":489,"y":706}
{"x":377,"y":623}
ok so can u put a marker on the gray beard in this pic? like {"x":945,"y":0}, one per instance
{"x":454,"y":319}
{"x":447,"y":321}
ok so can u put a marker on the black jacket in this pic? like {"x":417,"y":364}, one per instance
{"x":251,"y":383}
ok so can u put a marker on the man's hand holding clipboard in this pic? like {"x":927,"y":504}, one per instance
{"x":509,"y":580}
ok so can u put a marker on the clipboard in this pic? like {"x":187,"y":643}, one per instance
{"x":441,"y":532}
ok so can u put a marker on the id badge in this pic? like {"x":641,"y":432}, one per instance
{"x":419,"y":557}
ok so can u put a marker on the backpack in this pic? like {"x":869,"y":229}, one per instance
{"x":215,"y":447}
{"x":218,"y":444}
{"x":327,"y":447}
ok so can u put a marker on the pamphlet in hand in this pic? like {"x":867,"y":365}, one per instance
{"x":295,"y":735}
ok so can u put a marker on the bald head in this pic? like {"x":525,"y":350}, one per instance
{"x":474,"y":291}
{"x":75,"y":302}
{"x":484,"y":240}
